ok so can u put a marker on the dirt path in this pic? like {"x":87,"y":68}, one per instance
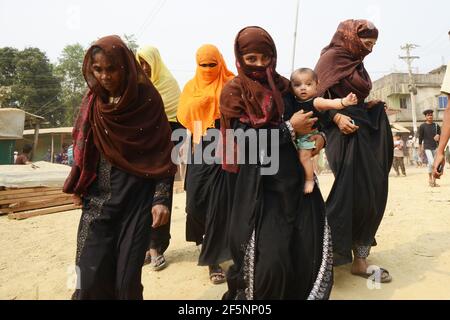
{"x":37,"y":254}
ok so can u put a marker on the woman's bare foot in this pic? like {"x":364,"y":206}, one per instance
{"x":359,"y":266}
{"x":150,"y":255}
{"x":153,"y":253}
{"x":309,"y":186}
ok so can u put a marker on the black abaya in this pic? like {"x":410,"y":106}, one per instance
{"x":360,"y":162}
{"x":113,"y":235}
{"x":279,"y":239}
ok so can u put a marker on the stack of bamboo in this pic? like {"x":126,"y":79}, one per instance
{"x":178,"y":187}
{"x":22,"y":203}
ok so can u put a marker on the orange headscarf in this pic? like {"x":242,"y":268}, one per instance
{"x":199,"y":101}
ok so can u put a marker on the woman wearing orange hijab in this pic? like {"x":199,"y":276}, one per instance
{"x":207,"y":186}
{"x":199,"y":101}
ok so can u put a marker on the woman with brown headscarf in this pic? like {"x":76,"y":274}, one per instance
{"x":360,"y":147}
{"x":122,"y":172}
{"x":207,"y":185}
{"x":279,"y":238}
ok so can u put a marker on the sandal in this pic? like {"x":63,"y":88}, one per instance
{"x":158,"y":263}
{"x":216,"y":274}
{"x":379,"y":275}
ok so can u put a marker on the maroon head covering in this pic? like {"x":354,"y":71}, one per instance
{"x":255,"y":95}
{"x":132,"y":134}
{"x":341,"y":61}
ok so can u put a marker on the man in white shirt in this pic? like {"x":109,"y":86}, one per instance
{"x":439,"y":160}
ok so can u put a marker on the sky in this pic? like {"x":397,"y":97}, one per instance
{"x":179,"y":27}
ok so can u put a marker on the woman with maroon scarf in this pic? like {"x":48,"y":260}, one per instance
{"x":359,"y":150}
{"x":122,"y":172}
{"x":279,"y":238}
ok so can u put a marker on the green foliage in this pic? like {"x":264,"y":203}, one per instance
{"x":69,"y":71}
{"x":32,"y":85}
{"x":7,"y":66}
{"x":130,"y":41}
{"x":7,"y":73}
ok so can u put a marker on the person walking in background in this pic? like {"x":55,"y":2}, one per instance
{"x":429,"y":134}
{"x":399,"y":155}
{"x":48,"y":156}
{"x":62,"y":157}
{"x":410,"y":150}
{"x":416,"y":153}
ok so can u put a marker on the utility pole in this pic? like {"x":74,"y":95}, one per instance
{"x":295,"y":36}
{"x":411,"y":86}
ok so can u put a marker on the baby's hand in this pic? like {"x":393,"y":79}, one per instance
{"x":350,"y":99}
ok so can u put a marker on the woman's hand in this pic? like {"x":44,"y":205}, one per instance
{"x":345,"y":123}
{"x":320,"y":142}
{"x":302,"y":122}
{"x":160,"y":215}
{"x":76,"y":200}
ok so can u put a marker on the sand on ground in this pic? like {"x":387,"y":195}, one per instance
{"x":37,"y":254}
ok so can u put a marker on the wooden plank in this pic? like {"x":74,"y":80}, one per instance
{"x":40,"y":199}
{"x":41,"y":205}
{"x":40,"y":212}
{"x":18,"y":198}
{"x":9,"y":191}
{"x":29,"y":194}
{"x":5,"y":211}
{"x":178,"y":187}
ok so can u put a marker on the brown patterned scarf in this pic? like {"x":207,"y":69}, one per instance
{"x":342,"y":60}
{"x":132,"y":134}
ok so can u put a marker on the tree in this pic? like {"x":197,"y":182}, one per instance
{"x":130,"y":41}
{"x":7,"y":66}
{"x":35,"y":87}
{"x":69,"y":70}
{"x":7,"y":73}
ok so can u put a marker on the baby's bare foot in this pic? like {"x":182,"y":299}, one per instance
{"x":309,"y":186}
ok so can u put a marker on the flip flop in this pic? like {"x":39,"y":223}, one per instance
{"x":158,"y":263}
{"x":216,"y":275}
{"x":385,"y":277}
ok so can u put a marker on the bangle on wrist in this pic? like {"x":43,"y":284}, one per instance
{"x":337,"y":117}
{"x":342,"y":102}
{"x":291,"y":131}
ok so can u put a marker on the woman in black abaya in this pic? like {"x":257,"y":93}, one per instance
{"x":279,"y":238}
{"x":359,"y":149}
